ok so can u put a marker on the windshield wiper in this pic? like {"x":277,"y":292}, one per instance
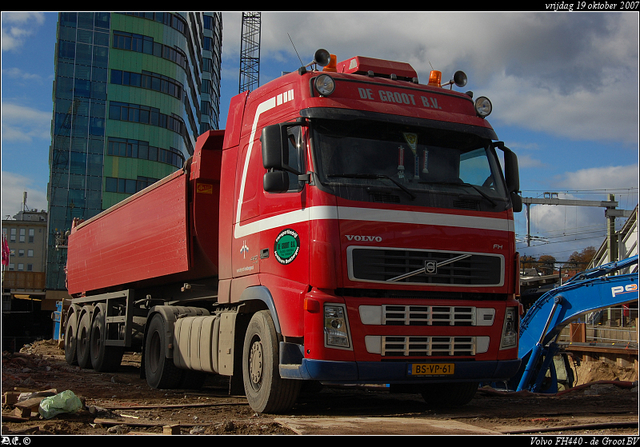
{"x":482,"y":193}
{"x":376,"y":177}
{"x":477,"y":189}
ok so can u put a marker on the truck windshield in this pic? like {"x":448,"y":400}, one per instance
{"x":387,"y":162}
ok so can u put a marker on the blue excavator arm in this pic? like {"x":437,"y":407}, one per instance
{"x":586,"y":292}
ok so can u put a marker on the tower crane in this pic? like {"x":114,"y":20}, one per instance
{"x":250,"y":51}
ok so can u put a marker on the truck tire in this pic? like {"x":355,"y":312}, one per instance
{"x":449,"y":395}
{"x":265,"y":390}
{"x":103,"y":358}
{"x":83,"y":338}
{"x":71,"y":339}
{"x":159,"y":370}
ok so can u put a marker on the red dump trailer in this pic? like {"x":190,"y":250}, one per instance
{"x":166,"y":233}
{"x":349,"y":226}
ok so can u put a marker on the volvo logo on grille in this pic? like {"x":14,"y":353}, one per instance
{"x":430,"y":267}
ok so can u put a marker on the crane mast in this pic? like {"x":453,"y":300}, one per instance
{"x":250,"y":51}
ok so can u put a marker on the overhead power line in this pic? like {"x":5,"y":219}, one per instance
{"x":611,"y":213}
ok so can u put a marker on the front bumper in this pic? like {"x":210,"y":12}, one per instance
{"x":397,"y":372}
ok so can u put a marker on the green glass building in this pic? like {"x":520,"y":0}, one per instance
{"x":132,"y":92}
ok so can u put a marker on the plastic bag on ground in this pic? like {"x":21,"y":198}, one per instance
{"x":64,"y":402}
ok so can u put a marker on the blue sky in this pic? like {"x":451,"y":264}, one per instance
{"x":564,"y":88}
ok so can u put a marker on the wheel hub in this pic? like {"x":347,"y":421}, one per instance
{"x":256,"y":362}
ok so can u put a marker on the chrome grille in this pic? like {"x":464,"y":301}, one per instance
{"x":393,"y":315}
{"x":428,"y":267}
{"x":419,"y":346}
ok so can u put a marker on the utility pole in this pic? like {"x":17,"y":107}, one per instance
{"x":612,"y":240}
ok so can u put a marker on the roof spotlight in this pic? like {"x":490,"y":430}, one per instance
{"x":325,"y":85}
{"x":483,"y":106}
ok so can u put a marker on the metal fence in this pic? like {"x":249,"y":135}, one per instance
{"x":615,"y":326}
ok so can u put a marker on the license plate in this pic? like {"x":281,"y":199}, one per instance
{"x":431,"y":369}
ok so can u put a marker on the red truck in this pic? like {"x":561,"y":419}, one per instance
{"x":350,"y":226}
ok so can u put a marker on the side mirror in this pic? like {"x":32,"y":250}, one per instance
{"x":511,"y":175}
{"x":275,"y":181}
{"x":273,"y":154}
{"x":275,"y":147}
{"x":516,"y":201}
{"x":277,"y":142}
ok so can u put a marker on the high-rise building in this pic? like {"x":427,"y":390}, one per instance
{"x":132,"y":92}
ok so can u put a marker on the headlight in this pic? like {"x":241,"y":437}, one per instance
{"x":483,"y":106}
{"x":336,"y":326}
{"x":510,"y":329}
{"x":325,"y":85}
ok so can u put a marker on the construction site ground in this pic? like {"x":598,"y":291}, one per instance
{"x":605,"y":403}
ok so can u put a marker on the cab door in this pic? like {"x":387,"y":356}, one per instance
{"x":245,"y":241}
{"x":284,"y":238}
{"x":284,"y":241}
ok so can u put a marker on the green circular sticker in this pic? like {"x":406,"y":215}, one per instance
{"x":287,"y":246}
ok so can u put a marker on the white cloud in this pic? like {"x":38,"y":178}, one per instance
{"x":16,"y":73}
{"x":13,"y":188}
{"x":23,"y":124}
{"x":561,"y":230}
{"x":568,"y":75}
{"x":17,"y":26}
{"x":527,"y":161}
{"x":539,"y":46}
{"x":606,"y":177}
{"x":554,"y":223}
{"x":607,"y":114}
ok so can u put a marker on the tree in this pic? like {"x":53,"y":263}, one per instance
{"x":546,"y":264}
{"x":580,"y":261}
{"x":527,"y":262}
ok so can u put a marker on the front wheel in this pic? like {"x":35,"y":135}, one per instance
{"x":266,"y":391}
{"x":160,"y":371}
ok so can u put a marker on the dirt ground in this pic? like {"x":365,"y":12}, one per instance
{"x":122,"y":403}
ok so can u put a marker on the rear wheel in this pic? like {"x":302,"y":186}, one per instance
{"x":104,"y":358}
{"x":71,"y":339}
{"x":447,"y":395}
{"x":84,"y":335}
{"x":266,"y":391}
{"x":160,"y":371}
